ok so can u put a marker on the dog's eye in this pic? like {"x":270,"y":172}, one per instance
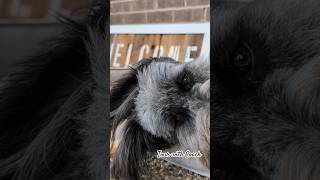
{"x":185,"y":81}
{"x":243,"y":57}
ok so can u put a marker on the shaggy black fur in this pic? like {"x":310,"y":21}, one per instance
{"x":137,"y":142}
{"x":53,"y":108}
{"x":266,"y":90}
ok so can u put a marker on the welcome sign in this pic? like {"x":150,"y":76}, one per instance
{"x":182,"y":42}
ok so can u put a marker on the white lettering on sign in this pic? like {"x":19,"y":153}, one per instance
{"x":123,"y":53}
{"x":158,"y":51}
{"x":182,"y":42}
{"x":111,"y":51}
{"x":128,"y":55}
{"x":188,"y":53}
{"x":174,"y":52}
{"x":117,"y":55}
{"x":144,"y":49}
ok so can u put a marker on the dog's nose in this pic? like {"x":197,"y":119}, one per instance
{"x":179,"y":116}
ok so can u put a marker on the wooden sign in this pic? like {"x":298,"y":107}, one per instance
{"x":129,"y":44}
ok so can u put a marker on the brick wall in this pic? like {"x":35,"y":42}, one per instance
{"x":159,"y":11}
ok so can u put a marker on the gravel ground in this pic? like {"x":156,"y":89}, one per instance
{"x":155,"y":168}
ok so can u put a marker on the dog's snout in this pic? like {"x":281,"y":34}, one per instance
{"x":179,"y":116}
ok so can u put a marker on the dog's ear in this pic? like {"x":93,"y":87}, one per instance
{"x":123,"y":93}
{"x":125,"y":89}
{"x":134,"y":142}
{"x":122,"y":97}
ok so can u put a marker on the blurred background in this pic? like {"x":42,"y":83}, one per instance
{"x":26,"y":23}
{"x":228,"y":3}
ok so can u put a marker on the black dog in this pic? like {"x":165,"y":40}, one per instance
{"x":266,"y":90}
{"x":53,"y":109}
